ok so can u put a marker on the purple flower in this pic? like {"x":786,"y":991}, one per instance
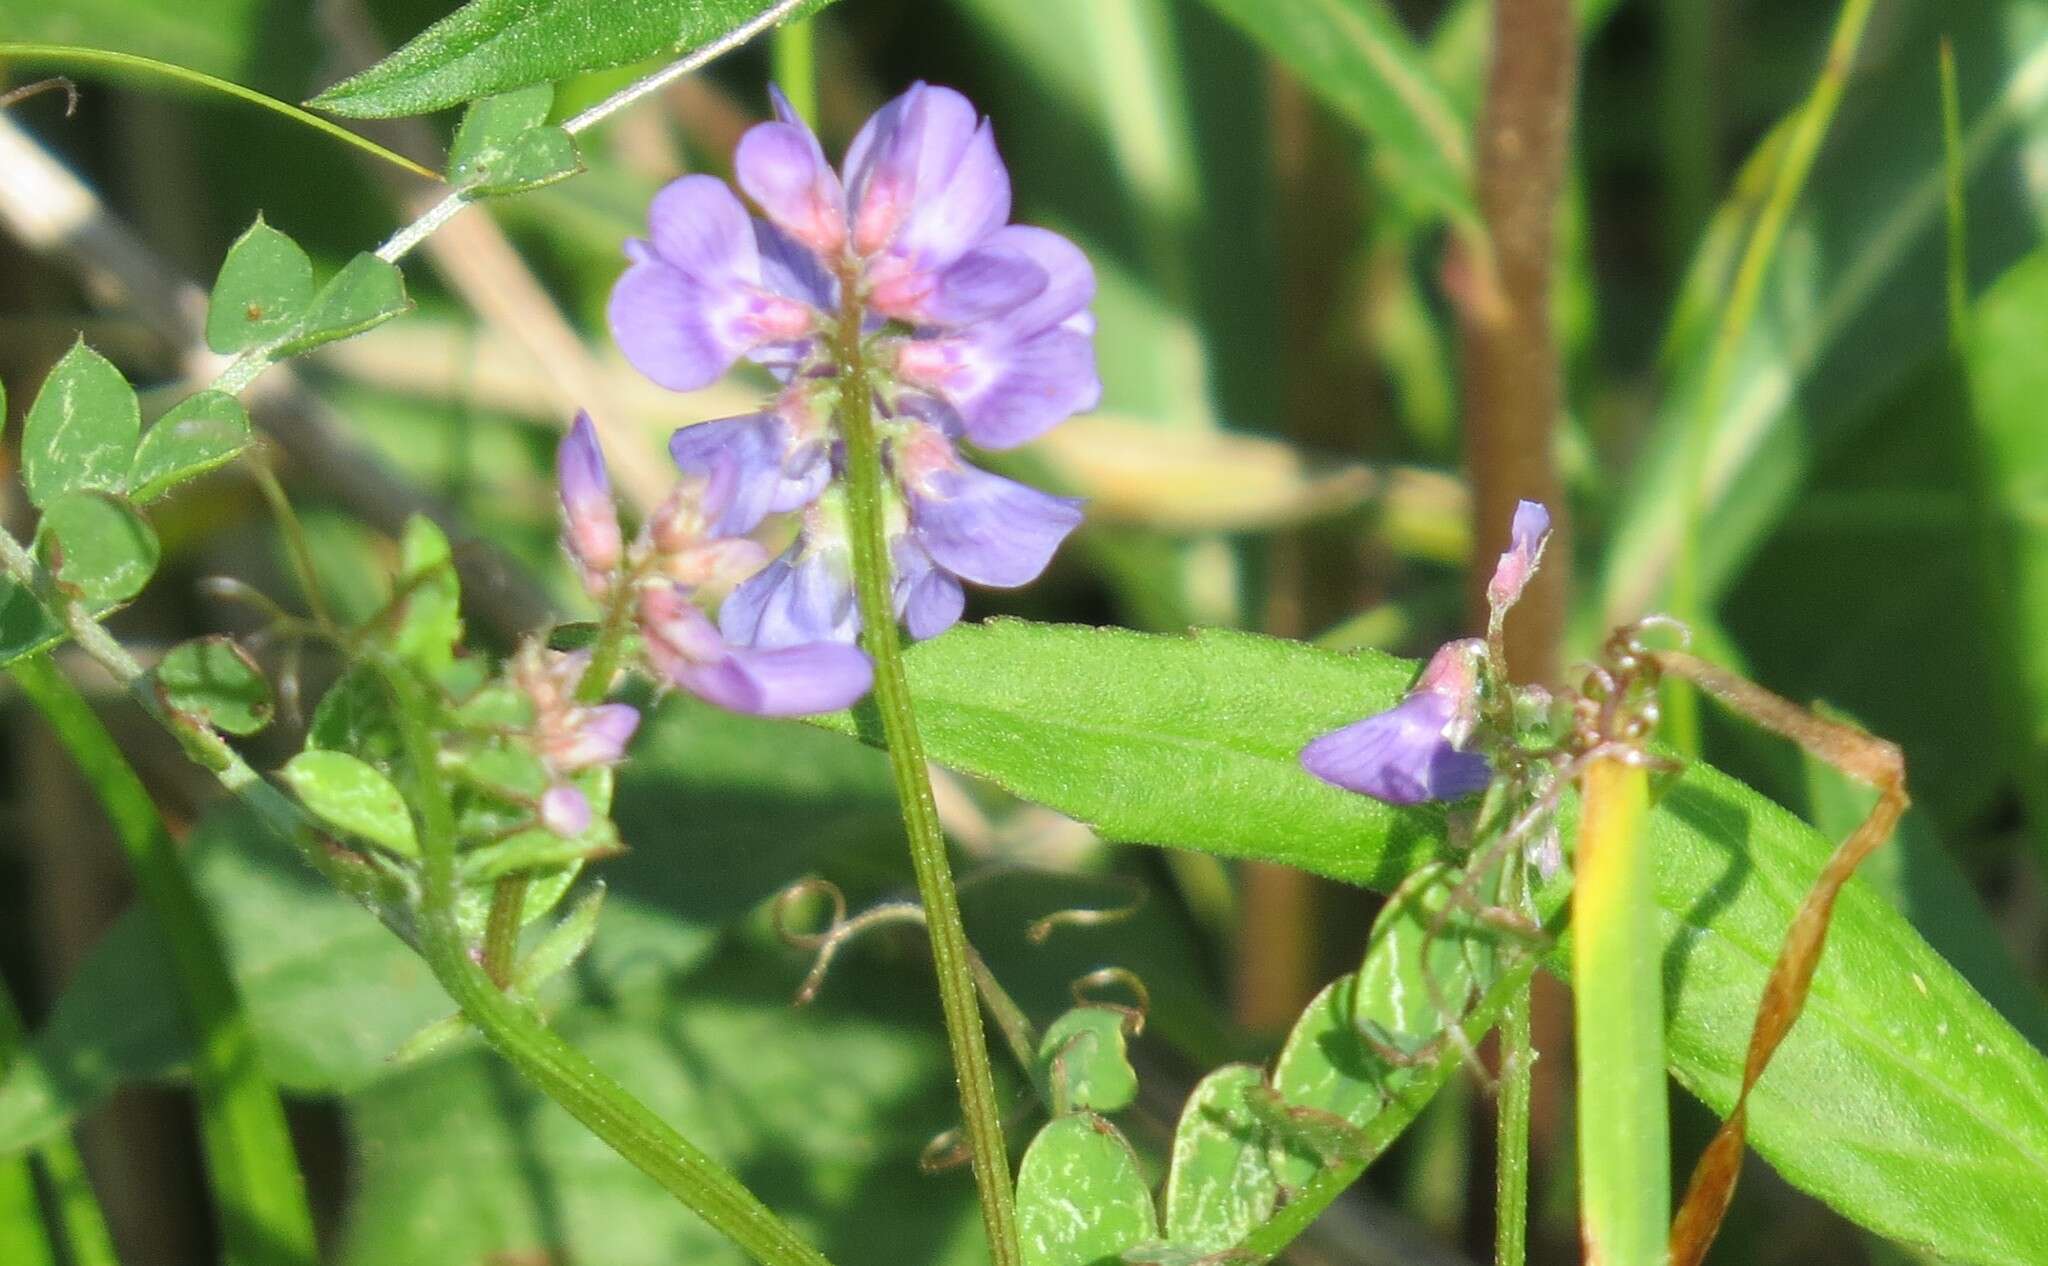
{"x":570,"y":736}
{"x":695,"y":299}
{"x":565,"y":810}
{"x":777,"y":462}
{"x":976,"y":329}
{"x":978,"y":526}
{"x":1410,"y":753}
{"x":686,"y":648}
{"x":590,"y":519}
{"x":1526,"y":538}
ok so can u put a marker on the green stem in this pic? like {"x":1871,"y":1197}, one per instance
{"x":1511,"y":1156}
{"x":1276,"y":1233}
{"x":793,"y":51}
{"x":555,"y":1068}
{"x":24,"y":1237}
{"x":248,"y":1147}
{"x":951,"y":954}
{"x":86,"y":1232}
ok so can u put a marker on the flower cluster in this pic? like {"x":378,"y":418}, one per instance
{"x":904,"y":275}
{"x":1419,"y":749}
{"x":686,"y":544}
{"x":568,"y":737}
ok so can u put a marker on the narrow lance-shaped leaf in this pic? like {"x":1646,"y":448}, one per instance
{"x":1901,"y":1097}
{"x":493,"y":46}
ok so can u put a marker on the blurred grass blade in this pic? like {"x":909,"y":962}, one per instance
{"x":1618,"y":1013}
{"x":1355,"y":55}
{"x":1867,"y":275}
{"x":252,"y":1169}
{"x":491,"y":46}
{"x":72,"y":57}
{"x":1795,"y":163}
{"x":24,"y":1239}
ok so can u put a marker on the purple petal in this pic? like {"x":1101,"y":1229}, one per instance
{"x":1006,"y":392}
{"x":670,"y":328}
{"x":699,"y":227}
{"x":1070,"y":278}
{"x":565,"y":811}
{"x":590,"y":516}
{"x":1399,"y":756}
{"x":982,"y":285}
{"x":789,"y":269}
{"x":1526,"y":538}
{"x":756,"y":453}
{"x":782,"y":169}
{"x":805,"y":595}
{"x":787,"y":681}
{"x":988,"y":529}
{"x":602,"y":738}
{"x":954,"y":212}
{"x":928,"y":600}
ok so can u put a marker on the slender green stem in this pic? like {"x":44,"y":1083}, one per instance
{"x":86,"y":1233}
{"x":793,"y":50}
{"x":951,"y":954}
{"x":296,"y":546}
{"x":1511,"y":1154}
{"x":555,"y":1068}
{"x":201,"y":742}
{"x":501,"y":929}
{"x":248,"y":1147}
{"x":1745,"y":293}
{"x":24,"y":1237}
{"x":1276,"y":1233}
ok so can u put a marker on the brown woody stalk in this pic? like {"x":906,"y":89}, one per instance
{"x":1513,"y":391}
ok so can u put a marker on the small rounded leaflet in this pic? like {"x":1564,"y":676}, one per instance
{"x":97,"y":546}
{"x":353,"y":798}
{"x":215,"y":680}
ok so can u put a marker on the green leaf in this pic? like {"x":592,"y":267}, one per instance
{"x":80,"y":432}
{"x":1901,"y":1097}
{"x":504,"y":145}
{"x":1081,"y":1200}
{"x":429,"y":598}
{"x":214,"y":679}
{"x":1222,"y":1183}
{"x":25,"y":627}
{"x":264,"y":289}
{"x":1355,"y":55}
{"x":351,"y":796}
{"x":493,"y":46}
{"x":824,"y":1110}
{"x":1083,"y":1062}
{"x":98,"y":546}
{"x":199,"y":434}
{"x":365,"y":294}
{"x":330,"y":993}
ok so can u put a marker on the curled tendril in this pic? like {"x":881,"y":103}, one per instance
{"x":55,"y":83}
{"x":826,"y":944}
{"x":1084,"y":917}
{"x":1134,"y":1011}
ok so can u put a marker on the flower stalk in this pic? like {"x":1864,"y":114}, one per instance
{"x":951,"y":954}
